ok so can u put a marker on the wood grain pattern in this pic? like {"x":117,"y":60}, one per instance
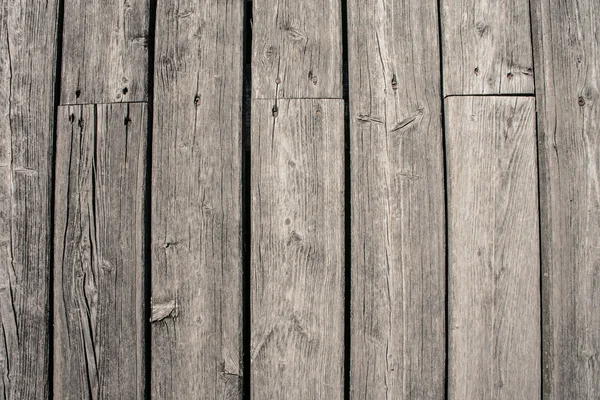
{"x":398,"y":217}
{"x":297,"y":49}
{"x":99,"y":252}
{"x":196,"y":210}
{"x":105,"y":51}
{"x":486,"y":47}
{"x":297,"y":257}
{"x":27,"y":67}
{"x":493,"y":241}
{"x":567,"y":54}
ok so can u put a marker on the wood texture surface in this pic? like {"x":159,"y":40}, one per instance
{"x":297,"y":49}
{"x":567,"y":54}
{"x":99,"y":252}
{"x":487,"y":47}
{"x":493,"y":241}
{"x":105,"y":51}
{"x":27,"y":59}
{"x":297,"y":278}
{"x":196,"y":210}
{"x":398,"y":217}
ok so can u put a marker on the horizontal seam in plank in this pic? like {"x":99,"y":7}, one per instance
{"x":492,"y":95}
{"x":102,"y":104}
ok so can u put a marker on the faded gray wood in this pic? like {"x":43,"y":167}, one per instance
{"x":196,"y":209}
{"x":398,"y":221}
{"x":105,"y":51}
{"x":296,"y":49}
{"x":27,"y":67}
{"x":486,"y":47}
{"x":297,"y":261}
{"x":567,"y":54}
{"x":494,"y":340}
{"x":99,"y":252}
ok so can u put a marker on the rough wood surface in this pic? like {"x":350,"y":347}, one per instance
{"x":493,"y":242}
{"x":196,"y":209}
{"x":99,"y":252}
{"x":105,"y":51}
{"x":567,"y":54}
{"x":398,"y":222}
{"x":486,"y":47}
{"x":297,"y":49}
{"x":297,"y":276}
{"x":27,"y":60}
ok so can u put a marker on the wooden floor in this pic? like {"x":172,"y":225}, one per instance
{"x":316,"y":199}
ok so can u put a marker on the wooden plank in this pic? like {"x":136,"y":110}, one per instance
{"x":486,"y":47}
{"x":297,"y":279}
{"x":105,"y":51}
{"x":493,"y":240}
{"x":99,"y":252}
{"x":566,"y":49}
{"x":27,"y":68}
{"x":398,"y":217}
{"x":296,"y":49}
{"x":196,"y":209}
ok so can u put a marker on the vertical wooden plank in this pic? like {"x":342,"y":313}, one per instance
{"x":297,"y":249}
{"x":105,"y":51}
{"x":493,"y":242}
{"x":99,"y":252}
{"x":196,"y":210}
{"x":27,"y":67}
{"x":398,"y":231}
{"x":486,"y":47}
{"x":567,"y":54}
{"x":297,"y":49}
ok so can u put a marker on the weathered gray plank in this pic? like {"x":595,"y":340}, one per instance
{"x":567,"y":54}
{"x":297,"y":247}
{"x":398,"y":233}
{"x":296,"y":49}
{"x":493,"y":241}
{"x":196,"y":209}
{"x":27,"y":67}
{"x":99,"y":252}
{"x":105,"y":51}
{"x":486,"y":47}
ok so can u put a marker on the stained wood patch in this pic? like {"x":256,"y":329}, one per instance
{"x":493,"y":241}
{"x":99,"y":252}
{"x":297,"y":262}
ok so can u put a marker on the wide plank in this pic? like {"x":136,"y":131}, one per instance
{"x":297,"y":261}
{"x":196,"y":201}
{"x":493,"y":242}
{"x":105,"y":51}
{"x":398,"y":211}
{"x":99,"y":256}
{"x":567,"y":54}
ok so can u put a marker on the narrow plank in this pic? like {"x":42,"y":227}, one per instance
{"x":296,"y":49}
{"x":105,"y":51}
{"x":494,"y":340}
{"x":486,"y":47}
{"x":99,"y":252}
{"x":297,"y":278}
{"x":567,"y":54}
{"x":27,"y":68}
{"x":196,"y":209}
{"x":398,"y":217}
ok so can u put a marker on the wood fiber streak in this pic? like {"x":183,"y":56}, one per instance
{"x":398,"y":217}
{"x":567,"y":54}
{"x":297,"y":273}
{"x":27,"y":67}
{"x":105,"y":51}
{"x":493,"y":241}
{"x":196,"y":201}
{"x":486,"y":47}
{"x":297,"y":49}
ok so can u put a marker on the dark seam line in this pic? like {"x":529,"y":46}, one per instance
{"x":110,"y":102}
{"x":492,"y":95}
